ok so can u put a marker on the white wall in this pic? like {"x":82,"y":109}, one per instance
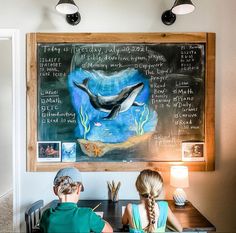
{"x":213,"y":193}
{"x":5,"y":117}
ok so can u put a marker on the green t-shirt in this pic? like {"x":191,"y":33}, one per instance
{"x":68,"y":218}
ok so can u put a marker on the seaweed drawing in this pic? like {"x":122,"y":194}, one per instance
{"x":144,"y":116}
{"x":84,"y":121}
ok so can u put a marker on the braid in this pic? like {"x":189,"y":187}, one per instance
{"x":149,"y":185}
{"x":65,"y":185}
{"x":151,"y":213}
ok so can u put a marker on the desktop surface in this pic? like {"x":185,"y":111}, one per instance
{"x":190,"y":218}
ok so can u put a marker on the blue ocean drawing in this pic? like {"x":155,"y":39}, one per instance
{"x":111,"y":108}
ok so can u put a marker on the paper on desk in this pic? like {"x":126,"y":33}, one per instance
{"x":123,"y":209}
{"x":100,"y":213}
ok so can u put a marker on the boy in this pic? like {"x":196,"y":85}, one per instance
{"x":67,"y":217}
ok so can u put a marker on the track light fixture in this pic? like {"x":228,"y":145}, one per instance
{"x":180,"y":7}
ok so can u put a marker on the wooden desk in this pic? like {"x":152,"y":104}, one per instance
{"x":190,"y":218}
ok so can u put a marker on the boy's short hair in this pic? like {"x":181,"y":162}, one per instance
{"x":71,"y":172}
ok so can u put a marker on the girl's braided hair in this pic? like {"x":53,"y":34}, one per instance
{"x":65,"y":185}
{"x":149,"y":185}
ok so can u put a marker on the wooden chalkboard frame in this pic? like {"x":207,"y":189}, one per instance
{"x":206,"y":38}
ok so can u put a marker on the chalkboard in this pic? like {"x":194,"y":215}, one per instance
{"x":132,"y":100}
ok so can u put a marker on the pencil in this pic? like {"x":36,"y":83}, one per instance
{"x":116,"y":192}
{"x":97,"y":206}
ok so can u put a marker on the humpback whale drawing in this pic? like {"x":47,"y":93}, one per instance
{"x":116,"y":103}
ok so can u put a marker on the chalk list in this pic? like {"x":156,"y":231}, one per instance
{"x":176,"y":74}
{"x":56,"y":117}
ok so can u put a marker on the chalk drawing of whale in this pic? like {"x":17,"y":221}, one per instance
{"x":116,"y":103}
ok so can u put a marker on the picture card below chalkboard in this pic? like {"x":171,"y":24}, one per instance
{"x":193,"y":151}
{"x":68,"y":152}
{"x":48,"y":151}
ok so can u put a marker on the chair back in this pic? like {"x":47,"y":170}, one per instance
{"x":33,"y":215}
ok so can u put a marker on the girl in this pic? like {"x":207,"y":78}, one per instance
{"x":149,"y":215}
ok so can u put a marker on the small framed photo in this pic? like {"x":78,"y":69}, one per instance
{"x":68,"y":152}
{"x":193,"y":151}
{"x":49,"y":151}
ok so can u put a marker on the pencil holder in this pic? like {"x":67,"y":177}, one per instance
{"x":113,"y":190}
{"x":112,"y":197}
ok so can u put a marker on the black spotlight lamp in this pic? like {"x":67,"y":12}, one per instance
{"x":180,"y":7}
{"x":70,"y":9}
